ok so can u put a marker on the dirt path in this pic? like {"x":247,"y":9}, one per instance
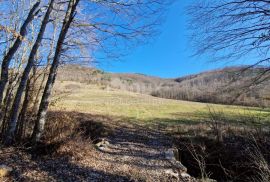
{"x":140,"y":152}
{"x":135,"y":153}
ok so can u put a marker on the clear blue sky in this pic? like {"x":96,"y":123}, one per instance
{"x":169,"y":55}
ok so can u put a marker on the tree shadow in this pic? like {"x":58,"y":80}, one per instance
{"x":32,"y":169}
{"x":133,"y":143}
{"x":63,"y":170}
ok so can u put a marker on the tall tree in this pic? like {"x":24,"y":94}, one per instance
{"x":17,"y":100}
{"x":13,"y":49}
{"x":41,"y":117}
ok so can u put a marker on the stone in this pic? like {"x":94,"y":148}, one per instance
{"x":102,"y":145}
{"x":172,"y":154}
{"x":102,"y":148}
{"x":179,"y":166}
{"x":185,"y":175}
{"x":169,"y":154}
{"x":170,"y":172}
{"x":106,"y":142}
{"x":5,"y":171}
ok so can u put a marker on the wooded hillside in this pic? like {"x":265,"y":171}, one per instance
{"x":227,"y":86}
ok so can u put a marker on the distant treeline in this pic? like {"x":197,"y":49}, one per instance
{"x":227,"y":86}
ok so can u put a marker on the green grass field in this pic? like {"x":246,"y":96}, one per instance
{"x":144,"y":108}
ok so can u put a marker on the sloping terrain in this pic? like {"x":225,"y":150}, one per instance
{"x":123,"y":81}
{"x":135,"y":125}
{"x":233,"y":85}
{"x":226,"y":86}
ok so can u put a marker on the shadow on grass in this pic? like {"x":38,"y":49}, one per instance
{"x":46,"y":163}
{"x":142,"y":140}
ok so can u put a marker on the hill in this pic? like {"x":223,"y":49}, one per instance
{"x":141,"y":128}
{"x":98,"y":133}
{"x":234,"y":85}
{"x":226,"y":86}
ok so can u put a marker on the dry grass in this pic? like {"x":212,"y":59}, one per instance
{"x":171,"y":116}
{"x":140,"y":107}
{"x":132,"y":122}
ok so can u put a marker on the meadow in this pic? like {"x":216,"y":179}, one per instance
{"x":146,"y":109}
{"x":139,"y":129}
{"x":209,"y":137}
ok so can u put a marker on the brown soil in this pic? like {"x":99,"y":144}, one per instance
{"x":135,"y":153}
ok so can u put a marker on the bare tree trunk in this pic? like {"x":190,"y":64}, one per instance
{"x":17,"y":100}
{"x":28,"y":99}
{"x":6,"y":102}
{"x":10,"y":53}
{"x":43,"y":107}
{"x":21,"y":124}
{"x":7,"y":99}
{"x":36,"y":100}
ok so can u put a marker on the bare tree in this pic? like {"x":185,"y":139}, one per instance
{"x":13,"y":49}
{"x":17,"y":100}
{"x":39,"y":125}
{"x":105,"y":25}
{"x":233,"y":30}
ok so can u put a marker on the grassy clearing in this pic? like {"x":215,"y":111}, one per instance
{"x":219,"y":142}
{"x":139,"y":107}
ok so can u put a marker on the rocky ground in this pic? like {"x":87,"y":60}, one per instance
{"x":131,"y":153}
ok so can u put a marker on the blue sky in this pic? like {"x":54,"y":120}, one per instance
{"x":169,"y":54}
